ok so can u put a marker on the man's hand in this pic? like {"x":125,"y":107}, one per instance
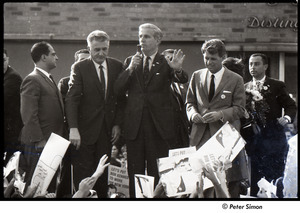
{"x":101,"y":167}
{"x":283,"y":121}
{"x":40,"y":145}
{"x":197,"y":118}
{"x":74,"y":137}
{"x":135,"y":60}
{"x":177,"y":60}
{"x":212,"y":116}
{"x":115,"y":134}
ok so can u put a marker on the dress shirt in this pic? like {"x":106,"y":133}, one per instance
{"x":44,"y":72}
{"x":261,"y":81}
{"x":150,"y":60}
{"x":218,"y":76}
{"x":104,"y":68}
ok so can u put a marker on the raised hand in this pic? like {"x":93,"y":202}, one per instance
{"x":101,"y":167}
{"x":177,"y":60}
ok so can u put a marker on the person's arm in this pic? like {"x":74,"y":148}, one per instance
{"x":287,"y":103}
{"x":30,"y":96}
{"x":191,"y":103}
{"x":129,"y":68}
{"x":72,"y":102}
{"x":218,"y":178}
{"x":84,"y":187}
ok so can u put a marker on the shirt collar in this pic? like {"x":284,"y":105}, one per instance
{"x":43,"y":71}
{"x":261,"y":80}
{"x":151,"y":56}
{"x":104,"y":65}
{"x":217,"y":74}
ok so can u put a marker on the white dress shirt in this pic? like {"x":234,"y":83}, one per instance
{"x":218,"y":76}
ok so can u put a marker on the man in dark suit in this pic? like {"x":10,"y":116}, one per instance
{"x":215,"y":95}
{"x":63,"y":85}
{"x":149,"y":119}
{"x":269,"y":147}
{"x":93,"y":110}
{"x":12,"y":117}
{"x":182,"y":125}
{"x":42,"y":108}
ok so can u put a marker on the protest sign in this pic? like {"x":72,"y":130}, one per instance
{"x":177,"y":175}
{"x":144,"y":186}
{"x":48,"y":163}
{"x":225,"y":143}
{"x":119,"y":177}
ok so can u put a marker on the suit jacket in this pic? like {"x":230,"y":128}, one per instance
{"x":229,"y":97}
{"x":155,"y":95}
{"x":277,"y":100}
{"x":63,"y":86}
{"x":86,"y":106}
{"x":272,"y":138}
{"x":12,"y":117}
{"x":41,"y":108}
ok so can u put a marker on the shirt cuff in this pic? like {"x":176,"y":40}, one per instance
{"x":288,"y":118}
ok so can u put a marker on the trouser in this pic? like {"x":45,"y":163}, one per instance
{"x":85,"y":161}
{"x":144,"y":151}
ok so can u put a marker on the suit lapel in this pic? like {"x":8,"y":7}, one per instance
{"x":225,"y":79}
{"x":94,"y":76}
{"x":139,"y":72}
{"x":54,"y":86}
{"x":155,"y":66}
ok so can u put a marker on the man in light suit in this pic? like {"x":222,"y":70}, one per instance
{"x":42,"y":108}
{"x":93,"y":110}
{"x":149,"y":120}
{"x":212,"y":101}
{"x":268,"y":149}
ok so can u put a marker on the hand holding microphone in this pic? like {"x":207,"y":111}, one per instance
{"x":136,"y":59}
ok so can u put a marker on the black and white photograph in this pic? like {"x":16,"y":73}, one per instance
{"x":99,"y":93}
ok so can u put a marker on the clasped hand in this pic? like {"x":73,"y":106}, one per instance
{"x":207,"y":118}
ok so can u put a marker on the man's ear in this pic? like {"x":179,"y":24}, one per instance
{"x":266,"y":66}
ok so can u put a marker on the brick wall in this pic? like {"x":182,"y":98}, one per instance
{"x":179,"y":21}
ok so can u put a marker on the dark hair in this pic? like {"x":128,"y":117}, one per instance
{"x":112,"y":186}
{"x":214,"y":46}
{"x":86,"y":51}
{"x":5,"y":52}
{"x":39,"y":49}
{"x":234,"y":64}
{"x":263,"y":56}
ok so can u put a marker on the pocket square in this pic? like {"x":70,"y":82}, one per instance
{"x":225,"y":91}
{"x":157,"y":73}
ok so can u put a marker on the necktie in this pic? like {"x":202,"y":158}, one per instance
{"x":102,"y":79}
{"x":146,"y":69}
{"x":258,"y":85}
{"x":50,"y":76}
{"x":211,"y":88}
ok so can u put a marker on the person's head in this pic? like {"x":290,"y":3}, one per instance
{"x":5,"y":60}
{"x":98,"y":45}
{"x":44,"y":56}
{"x":124,"y":151}
{"x":114,"y":151}
{"x":150,"y":37}
{"x":258,"y":64}
{"x":168,"y":53}
{"x":214,"y":52}
{"x":234,"y":64}
{"x":81,"y":55}
{"x":111,"y":189}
